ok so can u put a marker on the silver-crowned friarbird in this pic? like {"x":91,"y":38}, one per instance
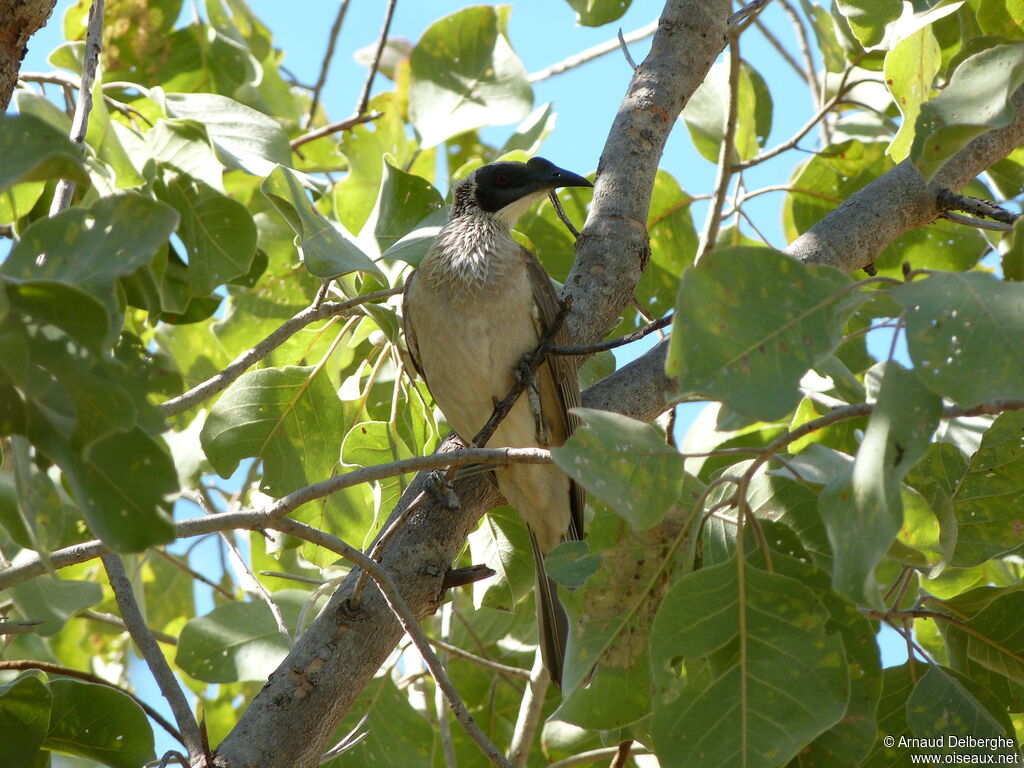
{"x":476,"y":305}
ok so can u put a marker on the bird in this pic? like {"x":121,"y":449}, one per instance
{"x":477,"y":303}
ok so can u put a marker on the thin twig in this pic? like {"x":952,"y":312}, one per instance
{"x":795,"y":139}
{"x":709,"y":236}
{"x":480,"y":661}
{"x":83,"y":106}
{"x":970,"y":221}
{"x":622,"y":754}
{"x":244,"y":571}
{"x":325,"y":65}
{"x":805,"y":50}
{"x":281,"y":334}
{"x":79,"y":553}
{"x":748,"y":10}
{"x":625,"y":50}
{"x":382,"y":41}
{"x":341,"y":125}
{"x":443,"y":726}
{"x":951,"y":201}
{"x":531,"y":712}
{"x":116,"y":621}
{"x":591,"y":756}
{"x":58,"y":669}
{"x":557,"y":204}
{"x":393,"y":597}
{"x":601,"y":49}
{"x":150,"y":650}
{"x":601,"y":346}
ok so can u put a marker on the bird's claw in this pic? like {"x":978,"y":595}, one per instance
{"x":525,"y":371}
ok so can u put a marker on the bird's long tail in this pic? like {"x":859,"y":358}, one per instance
{"x":552,"y":620}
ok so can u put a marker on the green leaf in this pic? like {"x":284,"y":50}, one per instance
{"x":24,"y":718}
{"x":238,"y":640}
{"x":99,"y":723}
{"x":963,"y":332}
{"x":976,"y":99}
{"x":397,"y":734}
{"x":941,"y":705}
{"x":79,"y":314}
{"x":88,"y":249}
{"x":403,"y":201}
{"x":327,"y":249}
{"x":897,"y":685}
{"x":613,"y":456}
{"x":531,"y":132}
{"x":123,"y":487}
{"x":673,"y":244}
{"x":594,"y":13}
{"x":218,"y":233}
{"x":910,"y":70}
{"x":997,"y":641}
{"x":17,"y":201}
{"x":363,"y":147}
{"x":53,"y":601}
{"x":34,"y":151}
{"x":185,"y":146}
{"x":503,"y":544}
{"x":463,"y":74}
{"x":708,"y":109}
{"x":290,"y":418}
{"x":986,"y":499}
{"x":749,"y":323}
{"x":824,"y":30}
{"x":870,"y":19}
{"x":862,"y":508}
{"x":779,"y":677}
{"x":607,"y":678}
{"x":244,"y":138}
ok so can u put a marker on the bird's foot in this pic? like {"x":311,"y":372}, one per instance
{"x":441,"y":490}
{"x":525,"y":371}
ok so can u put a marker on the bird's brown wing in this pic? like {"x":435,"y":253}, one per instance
{"x":407,"y":328}
{"x":562,"y":369}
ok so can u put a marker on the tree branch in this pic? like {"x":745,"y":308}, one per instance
{"x":83,"y":106}
{"x":150,"y":650}
{"x":613,"y":248}
{"x":250,"y":357}
{"x":21,"y":21}
{"x":851,"y":236}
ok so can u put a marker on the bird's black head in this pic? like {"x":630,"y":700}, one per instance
{"x":496,"y":188}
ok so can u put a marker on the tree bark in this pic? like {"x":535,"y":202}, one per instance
{"x":851,"y":236}
{"x":21,"y":20}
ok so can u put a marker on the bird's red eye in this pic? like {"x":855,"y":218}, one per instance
{"x":502,"y":180}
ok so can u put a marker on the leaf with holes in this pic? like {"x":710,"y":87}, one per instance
{"x":963,"y":334}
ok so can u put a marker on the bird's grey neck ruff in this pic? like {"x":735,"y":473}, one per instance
{"x":471,"y":251}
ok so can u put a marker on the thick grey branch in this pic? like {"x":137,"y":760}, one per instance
{"x":613,"y":249}
{"x":851,"y":236}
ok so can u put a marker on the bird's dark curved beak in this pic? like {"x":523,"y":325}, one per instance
{"x":546,"y":175}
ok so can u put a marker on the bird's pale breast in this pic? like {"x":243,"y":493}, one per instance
{"x":468,"y":353}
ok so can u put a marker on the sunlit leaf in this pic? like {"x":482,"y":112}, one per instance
{"x":464,"y":74}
